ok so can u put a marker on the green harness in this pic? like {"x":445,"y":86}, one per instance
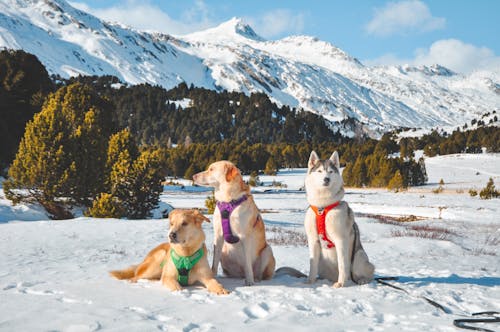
{"x":184,"y":264}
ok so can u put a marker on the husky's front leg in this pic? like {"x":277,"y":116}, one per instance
{"x":248,"y":267}
{"x":344,"y":248}
{"x":314,"y":253}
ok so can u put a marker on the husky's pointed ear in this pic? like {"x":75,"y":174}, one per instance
{"x":335,"y":159}
{"x":313,"y":158}
{"x":231,"y":172}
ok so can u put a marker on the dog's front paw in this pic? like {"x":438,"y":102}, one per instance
{"x":173,"y":285}
{"x":222,"y":291}
{"x":175,"y":288}
{"x":346,"y":283}
{"x":311,"y":280}
{"x":216,"y":288}
{"x":249,"y":282}
{"x":363,"y":281}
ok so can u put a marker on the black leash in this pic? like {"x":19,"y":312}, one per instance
{"x":460,"y":323}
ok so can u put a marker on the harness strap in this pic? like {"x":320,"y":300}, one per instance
{"x":226,"y":208}
{"x":320,"y":222}
{"x":184,"y":264}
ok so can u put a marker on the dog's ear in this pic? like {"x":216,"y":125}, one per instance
{"x":313,"y":158}
{"x":335,"y":159}
{"x":231,"y":172}
{"x":200,"y":218}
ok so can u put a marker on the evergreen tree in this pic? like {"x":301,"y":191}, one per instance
{"x":24,"y":83}
{"x":106,"y":206}
{"x":489,"y":191}
{"x":359,"y":173}
{"x":396,"y":183}
{"x":62,"y":153}
{"x":210,"y":203}
{"x":135,"y":182}
{"x":347,"y":174}
{"x":271,"y":167}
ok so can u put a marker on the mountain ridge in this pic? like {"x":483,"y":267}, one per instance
{"x":299,"y":71}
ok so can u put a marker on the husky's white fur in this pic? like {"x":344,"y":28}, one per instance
{"x":347,"y":261}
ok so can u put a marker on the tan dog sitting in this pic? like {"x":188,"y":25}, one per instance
{"x":239,"y":234}
{"x":181,"y":262}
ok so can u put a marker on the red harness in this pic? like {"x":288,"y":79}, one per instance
{"x":320,"y":222}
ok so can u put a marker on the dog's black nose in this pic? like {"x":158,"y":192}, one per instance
{"x":173,"y":236}
{"x":326,"y":180}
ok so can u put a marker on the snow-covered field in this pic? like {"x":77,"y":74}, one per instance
{"x":53,"y":274}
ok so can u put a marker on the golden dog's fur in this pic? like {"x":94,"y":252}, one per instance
{"x":251,"y":257}
{"x":186,"y":237}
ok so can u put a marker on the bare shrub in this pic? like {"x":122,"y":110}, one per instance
{"x":424,"y":231}
{"x":492,"y":240}
{"x":438,"y":190}
{"x":482,"y":251}
{"x":286,"y":237}
{"x":391,"y":220}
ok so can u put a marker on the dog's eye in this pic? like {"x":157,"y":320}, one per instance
{"x":330,"y":171}
{"x":320,"y":171}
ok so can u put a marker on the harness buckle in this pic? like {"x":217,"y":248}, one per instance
{"x":224,"y":214}
{"x":183,"y":272}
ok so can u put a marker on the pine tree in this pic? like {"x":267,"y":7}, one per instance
{"x":24,"y":84}
{"x":489,"y":191}
{"x":271,"y":167}
{"x":254,"y":180}
{"x":190,"y":171}
{"x":137,"y":183}
{"x":210,"y":203}
{"x":106,"y":206}
{"x":347,"y":174}
{"x":396,"y":183}
{"x":63,"y":151}
{"x":359,"y":173}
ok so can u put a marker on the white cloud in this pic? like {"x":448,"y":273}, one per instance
{"x":451,"y":53}
{"x":402,"y":18}
{"x":277,"y":22}
{"x":142,"y":15}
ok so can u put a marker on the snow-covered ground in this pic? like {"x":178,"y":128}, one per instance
{"x":53,"y":274}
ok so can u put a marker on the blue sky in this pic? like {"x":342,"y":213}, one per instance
{"x":463,"y":35}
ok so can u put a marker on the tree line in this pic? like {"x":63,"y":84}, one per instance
{"x":101,"y":144}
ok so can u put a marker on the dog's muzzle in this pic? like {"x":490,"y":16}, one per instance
{"x":326,"y":181}
{"x":173,"y":237}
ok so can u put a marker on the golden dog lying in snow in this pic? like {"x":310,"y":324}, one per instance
{"x":181,"y":262}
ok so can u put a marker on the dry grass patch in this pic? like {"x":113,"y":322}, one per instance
{"x":492,"y":240}
{"x":483,"y":251}
{"x":285,"y":237}
{"x":424,"y":231}
{"x":391,"y":220}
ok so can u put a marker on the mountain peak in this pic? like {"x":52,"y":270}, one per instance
{"x":242,"y":28}
{"x":235,"y":27}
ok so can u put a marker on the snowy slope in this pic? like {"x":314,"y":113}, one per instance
{"x":299,"y":71}
{"x":53,"y":274}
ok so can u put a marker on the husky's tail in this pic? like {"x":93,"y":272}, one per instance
{"x":128,"y":273}
{"x":290,"y":271}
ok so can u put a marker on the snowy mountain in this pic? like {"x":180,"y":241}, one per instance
{"x":299,"y":71}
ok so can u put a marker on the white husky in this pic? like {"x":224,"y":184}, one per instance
{"x":335,"y":248}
